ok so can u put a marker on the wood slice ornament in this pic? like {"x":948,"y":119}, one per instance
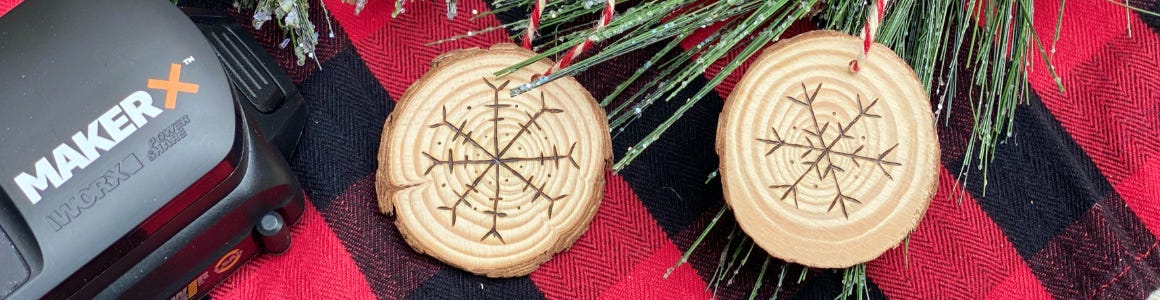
{"x":823,"y":165}
{"x":489,"y":183}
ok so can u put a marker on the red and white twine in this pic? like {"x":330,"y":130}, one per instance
{"x":869,"y":30}
{"x":534,"y":21}
{"x":605,"y":17}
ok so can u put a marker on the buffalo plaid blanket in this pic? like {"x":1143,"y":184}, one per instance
{"x":1072,"y":209}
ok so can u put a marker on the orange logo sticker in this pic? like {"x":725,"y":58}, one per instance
{"x":173,"y":86}
{"x":228,"y":261}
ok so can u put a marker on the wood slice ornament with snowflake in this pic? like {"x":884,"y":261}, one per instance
{"x":489,"y":183}
{"x":822,"y":165}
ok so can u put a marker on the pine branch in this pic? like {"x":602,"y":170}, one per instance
{"x":995,"y":38}
{"x":929,"y":35}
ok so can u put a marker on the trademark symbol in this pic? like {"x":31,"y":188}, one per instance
{"x":188,"y":60}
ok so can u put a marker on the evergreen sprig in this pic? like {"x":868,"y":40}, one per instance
{"x":940,"y":39}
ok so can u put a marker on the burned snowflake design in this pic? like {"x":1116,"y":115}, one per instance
{"x":497,"y":160}
{"x":817,"y":143}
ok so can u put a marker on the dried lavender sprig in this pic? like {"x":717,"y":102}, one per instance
{"x":292,"y":17}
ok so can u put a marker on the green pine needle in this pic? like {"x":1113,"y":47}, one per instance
{"x":780,"y":280}
{"x":854,"y":283}
{"x":760,"y":275}
{"x":685,"y":257}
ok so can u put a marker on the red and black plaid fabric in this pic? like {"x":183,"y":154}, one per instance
{"x":1071,"y":209}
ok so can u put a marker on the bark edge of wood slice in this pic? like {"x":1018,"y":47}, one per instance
{"x":457,"y":141}
{"x":824,"y":166}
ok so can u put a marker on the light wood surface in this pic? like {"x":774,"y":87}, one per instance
{"x":488,"y":183}
{"x":824,"y":166}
